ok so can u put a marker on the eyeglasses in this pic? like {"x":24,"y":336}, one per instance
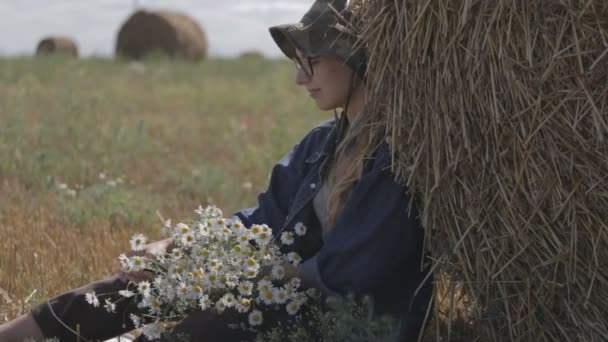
{"x":304,"y":65}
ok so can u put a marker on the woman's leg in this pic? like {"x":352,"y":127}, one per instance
{"x":21,"y":328}
{"x":69,"y":317}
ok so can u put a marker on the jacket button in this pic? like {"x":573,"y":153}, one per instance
{"x":313,"y":185}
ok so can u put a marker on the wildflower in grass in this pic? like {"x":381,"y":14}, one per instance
{"x":137,"y":242}
{"x":255,"y":317}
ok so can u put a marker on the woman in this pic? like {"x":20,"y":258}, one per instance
{"x":362,"y":237}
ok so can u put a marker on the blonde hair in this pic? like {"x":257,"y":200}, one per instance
{"x":347,"y":167}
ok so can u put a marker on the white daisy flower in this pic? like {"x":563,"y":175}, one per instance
{"x":137,"y":242}
{"x":292,"y":308}
{"x":243,"y":305}
{"x":251,"y":273}
{"x":124,"y":261}
{"x":264,"y":284}
{"x":109,"y":306}
{"x":188,"y":239}
{"x":154,"y":304}
{"x":256,"y":229}
{"x":176,"y":254}
{"x":152,"y":331}
{"x":255,"y":317}
{"x":246,"y":288}
{"x":220,"y":306}
{"x":295,"y":282}
{"x":202,"y":229}
{"x":267,"y":296}
{"x":92,"y":299}
{"x":280,"y":295}
{"x":204,"y":302}
{"x":181,"y":229}
{"x":126,"y":293}
{"x":263,"y":238}
{"x":300,"y":229}
{"x":215,"y":264}
{"x":229,"y":300}
{"x":136,"y":320}
{"x":278,"y":272}
{"x":251,"y":263}
{"x":136,"y":263}
{"x":287,"y":238}
{"x":294,"y":258}
{"x":144,"y":288}
{"x":183,"y":290}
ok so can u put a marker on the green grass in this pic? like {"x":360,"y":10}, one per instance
{"x":178,"y":133}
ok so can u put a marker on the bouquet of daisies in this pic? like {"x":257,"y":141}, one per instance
{"x":217,"y":264}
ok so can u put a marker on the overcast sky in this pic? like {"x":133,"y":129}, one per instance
{"x":232,"y":26}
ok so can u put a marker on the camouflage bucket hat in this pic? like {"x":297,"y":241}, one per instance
{"x":317,"y":34}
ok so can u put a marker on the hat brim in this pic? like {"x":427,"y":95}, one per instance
{"x":289,"y":38}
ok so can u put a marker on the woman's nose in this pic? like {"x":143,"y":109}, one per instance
{"x":301,"y":77}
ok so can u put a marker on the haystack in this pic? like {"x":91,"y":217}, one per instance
{"x":57,"y":45}
{"x":497,"y":115}
{"x":252,"y":54}
{"x":174,"y":34}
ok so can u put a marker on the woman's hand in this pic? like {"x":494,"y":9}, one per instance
{"x":150,"y":251}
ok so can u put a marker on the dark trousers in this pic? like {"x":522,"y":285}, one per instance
{"x":69,"y":317}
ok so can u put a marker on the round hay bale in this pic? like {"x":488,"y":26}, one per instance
{"x":497,"y":115}
{"x":254,"y":54}
{"x":57,"y":45}
{"x":174,"y":34}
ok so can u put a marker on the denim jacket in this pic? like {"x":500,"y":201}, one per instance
{"x":375,"y":247}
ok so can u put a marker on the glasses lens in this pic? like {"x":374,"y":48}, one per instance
{"x":304,"y":65}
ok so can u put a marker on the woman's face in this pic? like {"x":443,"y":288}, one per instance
{"x":327,"y":80}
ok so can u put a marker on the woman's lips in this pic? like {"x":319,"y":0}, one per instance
{"x":314,"y":92}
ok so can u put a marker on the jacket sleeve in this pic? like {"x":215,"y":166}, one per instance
{"x":375,"y":240}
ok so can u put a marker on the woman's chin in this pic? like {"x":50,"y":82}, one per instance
{"x":324,"y":106}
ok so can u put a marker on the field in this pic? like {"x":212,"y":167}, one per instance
{"x":93,"y":151}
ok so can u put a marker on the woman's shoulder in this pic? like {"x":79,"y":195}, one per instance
{"x":319,"y":134}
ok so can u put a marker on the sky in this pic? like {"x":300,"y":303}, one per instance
{"x":232,"y":26}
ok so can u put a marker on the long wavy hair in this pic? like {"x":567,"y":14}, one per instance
{"x":355,"y":148}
